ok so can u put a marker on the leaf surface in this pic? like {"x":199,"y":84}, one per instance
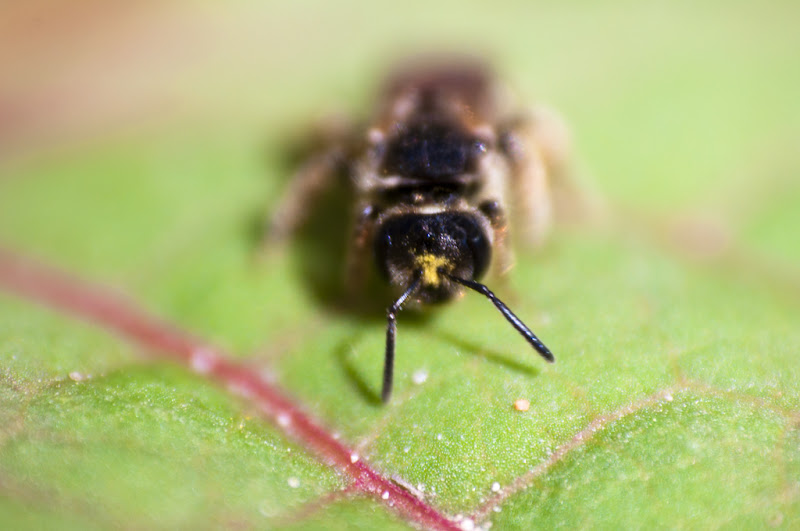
{"x":675,"y":397}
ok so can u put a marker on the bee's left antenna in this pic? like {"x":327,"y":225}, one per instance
{"x":391,"y":331}
{"x":515,"y":321}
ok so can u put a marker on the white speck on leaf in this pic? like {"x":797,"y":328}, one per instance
{"x":203,"y":360}
{"x":467,"y":524}
{"x":420,"y":377}
{"x":495,"y":487}
{"x":293,"y":482}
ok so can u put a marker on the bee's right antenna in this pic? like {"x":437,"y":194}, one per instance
{"x":508,"y":314}
{"x":391,"y":330}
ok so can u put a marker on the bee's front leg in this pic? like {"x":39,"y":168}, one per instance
{"x":537,"y":146}
{"x":359,"y":252}
{"x":314,"y":176}
{"x":327,"y":151}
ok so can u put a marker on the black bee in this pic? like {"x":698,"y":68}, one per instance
{"x":431,"y":175}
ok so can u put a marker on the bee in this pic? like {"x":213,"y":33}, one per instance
{"x":432,"y":172}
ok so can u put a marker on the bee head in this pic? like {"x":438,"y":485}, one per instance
{"x":429,"y":245}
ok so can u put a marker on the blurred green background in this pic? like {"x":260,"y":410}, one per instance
{"x":140,"y":143}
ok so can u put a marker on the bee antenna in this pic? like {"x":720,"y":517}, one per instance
{"x":391,"y":331}
{"x":526,"y":332}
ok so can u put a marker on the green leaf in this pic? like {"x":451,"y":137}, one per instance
{"x":675,"y":397}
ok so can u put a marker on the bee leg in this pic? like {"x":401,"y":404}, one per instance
{"x":311,"y":179}
{"x":358,"y":252}
{"x":497,"y":217}
{"x":325,"y":152}
{"x":536,"y":145}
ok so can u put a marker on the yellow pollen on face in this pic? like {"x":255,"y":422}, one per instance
{"x":430,"y":264}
